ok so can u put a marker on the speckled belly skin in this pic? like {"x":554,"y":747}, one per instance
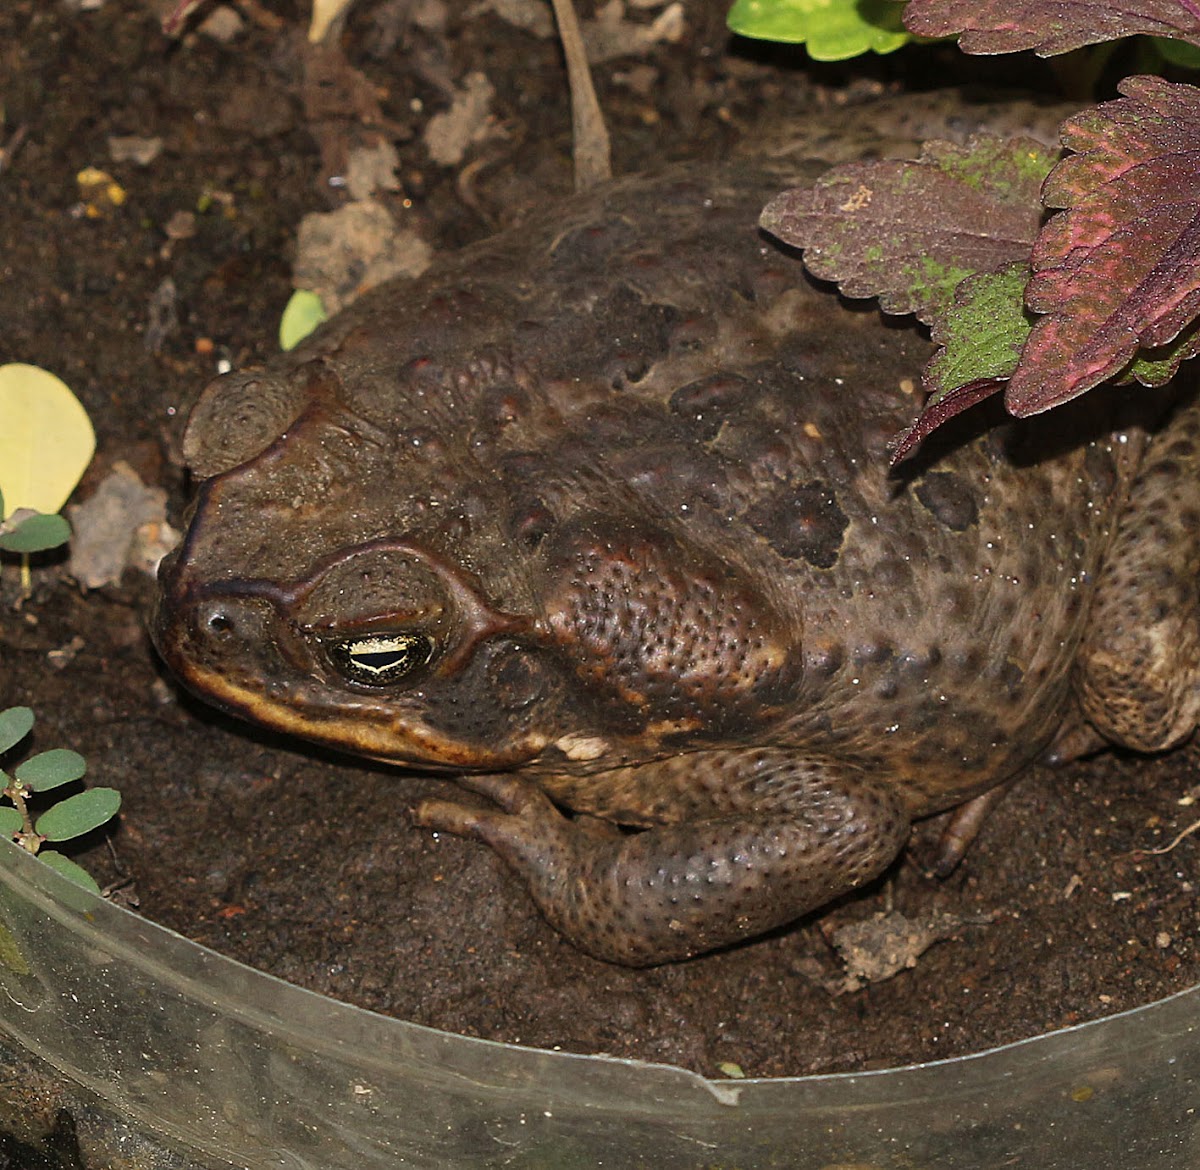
{"x":597,"y":515}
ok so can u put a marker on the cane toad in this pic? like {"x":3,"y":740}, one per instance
{"x":597,"y":516}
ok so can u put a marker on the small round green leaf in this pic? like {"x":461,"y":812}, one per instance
{"x":15,"y":724}
{"x":49,"y":769}
{"x":69,"y":870}
{"x":36,"y":534}
{"x":302,"y":314}
{"x":10,"y":822}
{"x":78,"y":814}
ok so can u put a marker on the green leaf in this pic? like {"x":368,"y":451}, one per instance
{"x":1177,"y":52}
{"x":69,"y":870}
{"x":78,"y":814}
{"x":36,"y":534}
{"x":982,"y":334}
{"x":46,"y":439}
{"x":10,"y":822}
{"x":831,"y":30}
{"x":302,"y":314}
{"x":979,"y":340}
{"x":15,"y":725}
{"x":48,"y":770}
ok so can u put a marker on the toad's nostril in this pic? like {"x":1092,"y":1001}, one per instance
{"x":218,"y":621}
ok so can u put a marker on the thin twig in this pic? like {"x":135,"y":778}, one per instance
{"x":593,"y":156}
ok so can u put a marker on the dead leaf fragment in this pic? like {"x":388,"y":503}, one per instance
{"x":222,"y":25}
{"x":370,"y":169}
{"x":610,"y":35}
{"x":61,"y":658}
{"x":878,"y":948}
{"x":181,"y":225}
{"x":429,"y":16}
{"x":256,"y":110}
{"x":533,"y":16}
{"x":162,"y":317}
{"x":342,"y":253}
{"x":468,"y":120}
{"x":108,"y":529}
{"x":99,"y":192}
{"x":134,"y":148}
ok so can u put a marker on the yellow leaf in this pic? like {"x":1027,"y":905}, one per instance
{"x":46,"y":439}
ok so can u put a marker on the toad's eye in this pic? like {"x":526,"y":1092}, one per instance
{"x":379,"y":660}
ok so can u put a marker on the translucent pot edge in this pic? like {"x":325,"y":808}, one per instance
{"x":235,"y":1066}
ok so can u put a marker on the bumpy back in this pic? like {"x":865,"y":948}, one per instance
{"x":626,"y":462}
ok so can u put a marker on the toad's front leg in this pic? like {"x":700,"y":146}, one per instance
{"x":752,"y":840}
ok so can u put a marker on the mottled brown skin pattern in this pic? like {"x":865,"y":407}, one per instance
{"x":608,"y":498}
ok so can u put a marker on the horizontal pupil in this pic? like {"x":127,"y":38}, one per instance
{"x":378,"y":660}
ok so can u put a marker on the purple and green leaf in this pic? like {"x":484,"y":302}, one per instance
{"x":979,"y":343}
{"x":910,"y":232}
{"x":1008,"y":26}
{"x":1118,"y":271}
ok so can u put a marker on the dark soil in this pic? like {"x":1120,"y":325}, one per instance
{"x":307,"y":866}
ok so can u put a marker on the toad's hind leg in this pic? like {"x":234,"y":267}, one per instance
{"x":1138,"y":679}
{"x":753,"y":840}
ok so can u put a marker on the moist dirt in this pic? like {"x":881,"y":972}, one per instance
{"x":306,"y":865}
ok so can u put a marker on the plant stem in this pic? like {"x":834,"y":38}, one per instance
{"x":27,"y":838}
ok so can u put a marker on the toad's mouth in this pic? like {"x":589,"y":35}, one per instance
{"x":365,"y":682}
{"x":312,"y":711}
